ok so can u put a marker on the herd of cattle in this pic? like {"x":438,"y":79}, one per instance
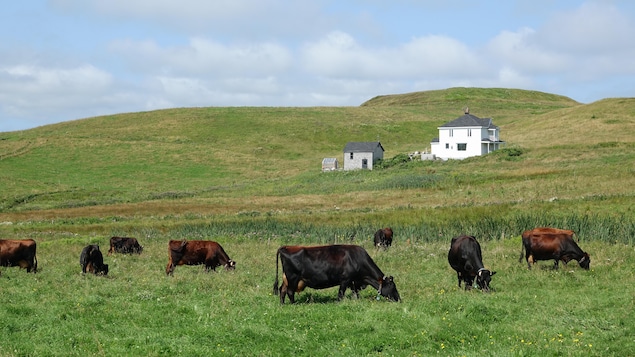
{"x":320,"y":267}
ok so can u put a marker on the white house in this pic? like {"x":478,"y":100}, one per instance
{"x":466,"y":136}
{"x":362,"y":155}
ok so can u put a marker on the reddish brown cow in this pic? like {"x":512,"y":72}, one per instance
{"x":383,"y":238}
{"x":552,"y":243}
{"x":14,"y":252}
{"x":197,"y":252}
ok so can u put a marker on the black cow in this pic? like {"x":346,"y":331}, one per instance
{"x":197,"y":252}
{"x":465,"y":257}
{"x":92,"y":260}
{"x":552,"y":243}
{"x":18,"y":252}
{"x":383,"y":238}
{"x":320,"y":267}
{"x":124,"y":245}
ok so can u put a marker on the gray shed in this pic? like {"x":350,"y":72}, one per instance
{"x":329,"y":164}
{"x":362,"y":155}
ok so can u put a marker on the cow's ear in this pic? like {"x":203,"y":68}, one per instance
{"x":492,"y":273}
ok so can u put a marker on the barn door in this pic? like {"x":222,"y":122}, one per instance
{"x":364,"y":163}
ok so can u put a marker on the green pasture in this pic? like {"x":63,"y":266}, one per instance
{"x":250,"y":179}
{"x":137,"y":310}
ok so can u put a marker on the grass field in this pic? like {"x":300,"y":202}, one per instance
{"x":250,"y":178}
{"x":137,"y":310}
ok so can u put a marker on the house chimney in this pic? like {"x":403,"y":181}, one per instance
{"x":467,"y":110}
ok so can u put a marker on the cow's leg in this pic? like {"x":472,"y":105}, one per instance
{"x":468,"y":283}
{"x":291,"y":293}
{"x":342,"y":291}
{"x":283,"y":293}
{"x":458,"y":276}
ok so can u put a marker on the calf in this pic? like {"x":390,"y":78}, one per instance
{"x":124,"y":245}
{"x":552,"y":243}
{"x":18,"y":252}
{"x":197,"y":252}
{"x":92,"y":260}
{"x":346,"y":266}
{"x":465,"y":257}
{"x":383,"y":238}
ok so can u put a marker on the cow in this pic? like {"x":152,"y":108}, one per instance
{"x":546,"y":243}
{"x":124,"y":245}
{"x":18,"y":252}
{"x":197,"y":252}
{"x":92,"y":260}
{"x":383,"y":238}
{"x":320,"y":267}
{"x":466,"y":258}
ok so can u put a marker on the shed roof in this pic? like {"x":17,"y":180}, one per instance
{"x":470,"y":120}
{"x":362,"y":146}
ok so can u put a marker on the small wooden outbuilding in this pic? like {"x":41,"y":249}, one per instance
{"x":362,"y":155}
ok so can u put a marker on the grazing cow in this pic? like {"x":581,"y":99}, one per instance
{"x":197,"y":252}
{"x":18,"y":252}
{"x":320,"y":267}
{"x":465,"y":257}
{"x":552,"y":243}
{"x":383,"y":238}
{"x":92,"y":260}
{"x":124,"y":245}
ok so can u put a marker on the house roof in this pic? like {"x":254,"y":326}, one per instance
{"x":362,"y":146}
{"x":470,"y":120}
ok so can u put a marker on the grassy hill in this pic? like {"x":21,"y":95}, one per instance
{"x":227,"y":161}
{"x":250,"y":179}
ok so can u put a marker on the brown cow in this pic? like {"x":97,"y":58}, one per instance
{"x":383,"y":238}
{"x":18,"y":252}
{"x":546,"y":243}
{"x":197,"y":252}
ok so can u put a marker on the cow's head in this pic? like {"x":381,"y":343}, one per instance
{"x":388,"y":289}
{"x":585,"y":261}
{"x":483,"y":278}
{"x":103,"y":270}
{"x":230,"y":265}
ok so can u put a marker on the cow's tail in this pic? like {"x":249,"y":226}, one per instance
{"x":275,"y":283}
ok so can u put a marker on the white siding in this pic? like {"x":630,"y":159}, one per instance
{"x":451,"y":139}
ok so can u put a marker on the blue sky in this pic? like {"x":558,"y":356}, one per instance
{"x":63,"y":60}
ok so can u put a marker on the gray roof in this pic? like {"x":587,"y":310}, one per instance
{"x":470,"y":120}
{"x":362,"y":146}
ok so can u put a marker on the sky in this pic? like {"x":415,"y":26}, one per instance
{"x":64,"y":60}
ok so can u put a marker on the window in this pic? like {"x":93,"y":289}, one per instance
{"x":364,"y":163}
{"x":461,"y":147}
{"x":469,"y":132}
{"x":447,"y":146}
{"x":451,"y":132}
{"x":351,"y":156}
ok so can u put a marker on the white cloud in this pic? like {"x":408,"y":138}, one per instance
{"x":206,"y":58}
{"x":338,"y":55}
